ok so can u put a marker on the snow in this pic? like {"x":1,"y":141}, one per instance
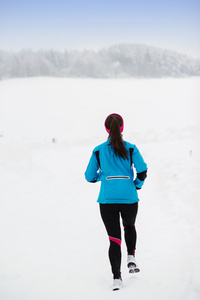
{"x":53,"y":242}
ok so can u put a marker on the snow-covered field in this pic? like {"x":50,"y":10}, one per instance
{"x":53,"y":242}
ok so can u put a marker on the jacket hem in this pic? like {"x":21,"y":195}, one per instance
{"x":118,"y":201}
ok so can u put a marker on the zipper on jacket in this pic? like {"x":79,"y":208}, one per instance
{"x":117,"y":177}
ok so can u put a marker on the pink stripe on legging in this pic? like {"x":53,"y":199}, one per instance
{"x":118,"y":241}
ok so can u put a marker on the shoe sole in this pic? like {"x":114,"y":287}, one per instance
{"x":133,"y":268}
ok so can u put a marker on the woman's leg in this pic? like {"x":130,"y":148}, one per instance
{"x":128,"y":214}
{"x":111,"y":218}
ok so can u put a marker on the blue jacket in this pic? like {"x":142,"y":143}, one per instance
{"x":116,"y":174}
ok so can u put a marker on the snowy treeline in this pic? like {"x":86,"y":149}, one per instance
{"x":125,"y":60}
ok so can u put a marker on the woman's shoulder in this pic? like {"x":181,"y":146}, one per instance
{"x":101,"y":146}
{"x":129,"y":145}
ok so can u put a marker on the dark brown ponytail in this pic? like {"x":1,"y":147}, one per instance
{"x":113,"y":123}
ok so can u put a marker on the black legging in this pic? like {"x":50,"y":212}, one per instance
{"x":110,"y":214}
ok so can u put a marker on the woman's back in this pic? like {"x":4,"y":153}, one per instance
{"x":111,"y":163}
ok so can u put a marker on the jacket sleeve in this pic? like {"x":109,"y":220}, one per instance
{"x":92,"y":173}
{"x":141,"y":168}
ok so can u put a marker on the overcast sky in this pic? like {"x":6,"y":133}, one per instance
{"x":91,"y":24}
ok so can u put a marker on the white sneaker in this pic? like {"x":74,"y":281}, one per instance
{"x":132,"y":265}
{"x":117,"y":284}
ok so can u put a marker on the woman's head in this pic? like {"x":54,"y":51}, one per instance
{"x":114,"y":125}
{"x":109,"y":120}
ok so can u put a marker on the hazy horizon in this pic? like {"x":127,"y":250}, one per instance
{"x":95,"y":50}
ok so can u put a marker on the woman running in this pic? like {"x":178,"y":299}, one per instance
{"x":112,"y":163}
